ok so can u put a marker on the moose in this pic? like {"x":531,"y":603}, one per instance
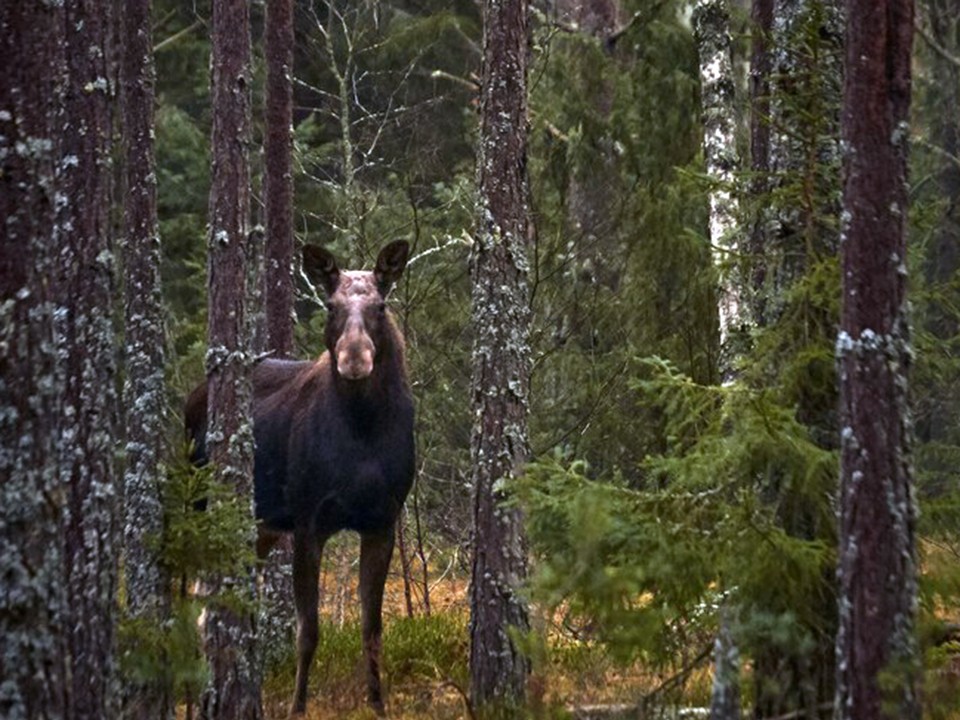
{"x":334,"y":447}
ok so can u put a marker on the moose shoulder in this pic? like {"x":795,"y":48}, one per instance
{"x":334,"y":446}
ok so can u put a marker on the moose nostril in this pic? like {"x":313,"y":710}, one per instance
{"x":355,"y":365}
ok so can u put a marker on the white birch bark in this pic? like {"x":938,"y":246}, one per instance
{"x":712,"y":26}
{"x":717,"y":86}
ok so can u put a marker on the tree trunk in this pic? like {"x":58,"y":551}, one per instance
{"x":86,"y":338}
{"x":876,"y":645}
{"x":711,"y":20}
{"x":32,"y":594}
{"x":278,"y":175}
{"x":795,"y":122}
{"x":234,"y":691}
{"x":501,"y":362}
{"x":145,"y":582}
{"x":278,"y":616}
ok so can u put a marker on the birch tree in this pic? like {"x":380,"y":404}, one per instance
{"x":876,"y":645}
{"x":144,"y":579}
{"x":84,"y":289}
{"x":501,"y":362}
{"x":711,"y":20}
{"x":795,"y":161}
{"x":234,"y":690}
{"x":32,"y":595}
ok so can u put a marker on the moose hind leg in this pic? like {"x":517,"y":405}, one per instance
{"x":307,"y":551}
{"x":375,"y":552}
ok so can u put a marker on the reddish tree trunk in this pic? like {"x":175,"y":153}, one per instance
{"x":234,"y":691}
{"x":279,"y":615}
{"x":32,"y":593}
{"x":876,"y":647}
{"x":278,"y":175}
{"x":501,"y":363}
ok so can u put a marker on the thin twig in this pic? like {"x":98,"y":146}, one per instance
{"x":177,"y":35}
{"x":934,"y":45}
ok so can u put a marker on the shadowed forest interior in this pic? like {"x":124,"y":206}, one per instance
{"x":670,"y":488}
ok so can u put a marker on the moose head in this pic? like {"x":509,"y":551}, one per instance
{"x":357,"y":323}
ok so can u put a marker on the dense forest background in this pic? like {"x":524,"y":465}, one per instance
{"x":684,"y":476}
{"x":652,"y":477}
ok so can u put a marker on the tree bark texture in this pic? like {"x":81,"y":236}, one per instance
{"x":278,"y":175}
{"x":279,"y":615}
{"x":711,"y":19}
{"x":234,"y":690}
{"x":33,"y":648}
{"x":86,"y":338}
{"x":876,"y":646}
{"x":145,"y":581}
{"x":501,"y":357}
{"x":725,"y":693}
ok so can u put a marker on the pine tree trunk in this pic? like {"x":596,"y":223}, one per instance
{"x":501,"y":362}
{"x":876,"y":645}
{"x":234,"y":691}
{"x":278,"y":175}
{"x":279,"y":614}
{"x":86,"y":339}
{"x":32,"y":594}
{"x":146,"y":584}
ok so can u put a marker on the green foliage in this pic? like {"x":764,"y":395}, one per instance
{"x":206,"y":533}
{"x":434,"y":647}
{"x":646,"y":564}
{"x":206,"y":525}
{"x":415,"y":649}
{"x":656,"y":491}
{"x":165,"y":655}
{"x":623,"y":267}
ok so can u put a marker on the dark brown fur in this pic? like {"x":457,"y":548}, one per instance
{"x":334,"y":447}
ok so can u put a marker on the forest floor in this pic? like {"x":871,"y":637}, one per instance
{"x":426,"y":657}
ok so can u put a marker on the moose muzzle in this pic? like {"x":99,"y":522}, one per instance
{"x":355,"y":352}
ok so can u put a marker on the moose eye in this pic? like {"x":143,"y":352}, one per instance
{"x":330,"y":306}
{"x":382,"y":308}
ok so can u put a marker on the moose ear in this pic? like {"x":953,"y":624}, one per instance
{"x":390,"y":264}
{"x":321,"y":267}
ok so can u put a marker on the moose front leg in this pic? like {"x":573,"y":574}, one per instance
{"x":307,"y":550}
{"x":375,"y":552}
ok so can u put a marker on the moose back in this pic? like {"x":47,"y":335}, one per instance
{"x":334,"y":447}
